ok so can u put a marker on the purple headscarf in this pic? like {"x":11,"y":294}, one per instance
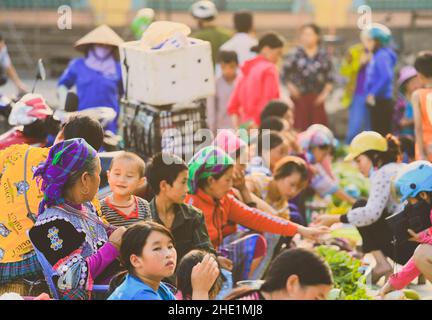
{"x":64,"y":159}
{"x":101,"y":59}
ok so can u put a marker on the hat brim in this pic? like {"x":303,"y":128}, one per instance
{"x":102,"y":35}
{"x":351,"y":157}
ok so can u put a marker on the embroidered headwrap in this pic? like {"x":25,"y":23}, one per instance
{"x":64,"y":159}
{"x":207,"y":162}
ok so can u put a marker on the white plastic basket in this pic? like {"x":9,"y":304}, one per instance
{"x":169,"y":76}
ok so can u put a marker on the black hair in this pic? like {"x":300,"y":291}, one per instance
{"x":275,"y":140}
{"x":315,"y":28}
{"x":41,"y":128}
{"x":271,"y":40}
{"x":290,"y":167}
{"x":423,"y":63}
{"x":184,"y":272}
{"x":1,"y":37}
{"x":202,"y":183}
{"x":381,"y":158}
{"x":227,"y":57}
{"x":243,"y":21}
{"x":273,"y":123}
{"x":275,"y":108}
{"x":164,"y":166}
{"x":133,"y":241}
{"x":407,"y":146}
{"x":82,"y":126}
{"x":133,"y":157}
{"x":308,"y":266}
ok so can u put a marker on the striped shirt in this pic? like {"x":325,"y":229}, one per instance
{"x":117,"y":218}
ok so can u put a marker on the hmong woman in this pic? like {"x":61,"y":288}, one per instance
{"x":68,"y":232}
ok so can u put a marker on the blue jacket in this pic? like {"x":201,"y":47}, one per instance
{"x":93,"y":88}
{"x":380,"y":73}
{"x":133,"y":288}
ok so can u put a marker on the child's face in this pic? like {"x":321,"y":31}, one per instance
{"x":278,"y":153}
{"x":124,"y":178}
{"x":158,"y":257}
{"x":423,"y":80}
{"x":179,"y":189}
{"x":412,"y":85}
{"x":229,"y":70}
{"x":290,"y":186}
{"x":320,"y":153}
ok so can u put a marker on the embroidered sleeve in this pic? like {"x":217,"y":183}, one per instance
{"x":61,"y":244}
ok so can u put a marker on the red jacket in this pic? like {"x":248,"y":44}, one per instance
{"x":256,"y":86}
{"x":217,"y":214}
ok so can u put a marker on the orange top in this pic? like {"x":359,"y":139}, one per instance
{"x":425,"y":99}
{"x":218,"y":213}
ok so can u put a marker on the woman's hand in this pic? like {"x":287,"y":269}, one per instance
{"x":293,"y":91}
{"x":370,"y":100}
{"x":225,"y":263}
{"x":415,"y":237}
{"x":386,"y":289}
{"x":204,"y":275}
{"x":116,"y":237}
{"x":320,"y":100}
{"x":327,"y":220}
{"x":239,"y":179}
{"x":312,"y":232}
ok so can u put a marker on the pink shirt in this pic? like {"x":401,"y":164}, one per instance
{"x":256,"y":86}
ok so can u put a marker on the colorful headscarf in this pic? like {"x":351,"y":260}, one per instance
{"x":315,"y":136}
{"x":64,"y":159}
{"x":229,"y":142}
{"x":207,"y":162}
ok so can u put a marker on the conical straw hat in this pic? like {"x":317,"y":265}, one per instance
{"x":101,"y":35}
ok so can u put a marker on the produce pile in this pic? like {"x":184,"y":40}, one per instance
{"x":349,"y":283}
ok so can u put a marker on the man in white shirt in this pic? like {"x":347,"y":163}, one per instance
{"x":243,"y":40}
{"x":7,"y":69}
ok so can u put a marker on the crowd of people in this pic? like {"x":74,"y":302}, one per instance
{"x":232,"y":211}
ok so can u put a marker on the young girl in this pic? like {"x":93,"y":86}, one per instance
{"x":419,"y":175}
{"x":210,"y":181}
{"x":317,"y":143}
{"x":296,"y":274}
{"x":122,"y":208}
{"x":270,"y":148}
{"x":403,"y":118}
{"x":68,"y":231}
{"x":185,"y":270}
{"x":289,"y":178}
{"x":148,"y":254}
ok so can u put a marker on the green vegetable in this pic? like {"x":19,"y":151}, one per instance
{"x":346,"y":275}
{"x":411,"y":294}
